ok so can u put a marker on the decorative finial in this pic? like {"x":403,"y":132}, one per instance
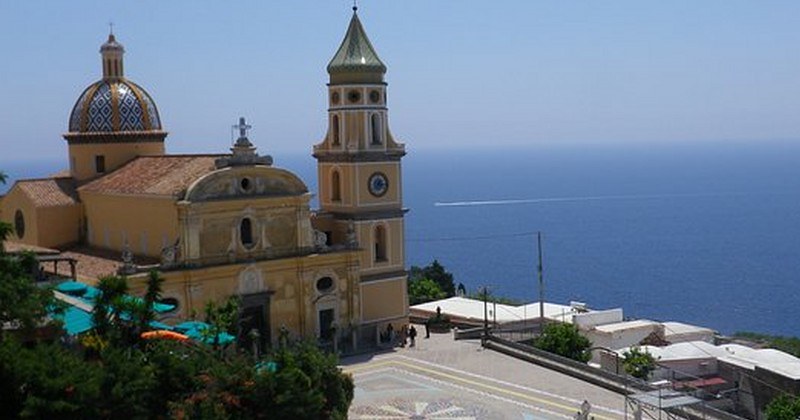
{"x":355,"y":5}
{"x":111,"y":28}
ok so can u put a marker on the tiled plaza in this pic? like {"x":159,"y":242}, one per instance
{"x":444,"y":379}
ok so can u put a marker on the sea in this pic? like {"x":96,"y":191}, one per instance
{"x":706,"y":233}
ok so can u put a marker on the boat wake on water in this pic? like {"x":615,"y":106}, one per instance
{"x":575,"y":199}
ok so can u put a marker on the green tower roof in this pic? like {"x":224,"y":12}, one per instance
{"x":356,"y":54}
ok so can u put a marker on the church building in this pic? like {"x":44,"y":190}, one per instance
{"x":233,"y":224}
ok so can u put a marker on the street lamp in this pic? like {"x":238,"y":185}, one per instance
{"x":485,"y":335}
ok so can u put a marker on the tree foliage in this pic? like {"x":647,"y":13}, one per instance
{"x":436,"y":273}
{"x":638,"y":363}
{"x":23,"y":304}
{"x":783,"y":407}
{"x":167,"y":379}
{"x":564,"y":340}
{"x":423,"y":290}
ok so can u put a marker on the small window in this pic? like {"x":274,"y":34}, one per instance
{"x":100,"y":164}
{"x":324,"y":284}
{"x":374,"y":96}
{"x":354,"y":96}
{"x":336,"y":187}
{"x":246,"y":232}
{"x":380,"y":244}
{"x":245,"y":184}
{"x":19,"y":224}
{"x":375,"y":122}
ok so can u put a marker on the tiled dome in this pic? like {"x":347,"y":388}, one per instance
{"x":114,"y":106}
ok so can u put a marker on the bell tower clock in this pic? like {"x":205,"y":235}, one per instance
{"x":359,"y":175}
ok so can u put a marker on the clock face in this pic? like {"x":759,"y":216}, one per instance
{"x":378,"y":184}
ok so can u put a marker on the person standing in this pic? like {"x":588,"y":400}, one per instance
{"x":403,"y":335}
{"x":412,"y":333}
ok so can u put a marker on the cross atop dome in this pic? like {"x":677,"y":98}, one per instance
{"x":243,"y":151}
{"x":243,"y":127}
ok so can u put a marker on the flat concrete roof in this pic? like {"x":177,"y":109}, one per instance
{"x":627,"y":325}
{"x":736,"y":354}
{"x":473,"y":309}
{"x":678,"y":328}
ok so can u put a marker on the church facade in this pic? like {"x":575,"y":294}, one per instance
{"x":232,"y":224}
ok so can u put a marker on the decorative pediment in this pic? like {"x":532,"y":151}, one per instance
{"x":241,"y":182}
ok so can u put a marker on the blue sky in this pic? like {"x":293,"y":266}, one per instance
{"x":462,"y":74}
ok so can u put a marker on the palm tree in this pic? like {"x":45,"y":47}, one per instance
{"x":108,"y":304}
{"x":144,"y":312}
{"x":6,"y":229}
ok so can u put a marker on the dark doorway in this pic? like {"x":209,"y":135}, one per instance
{"x":254,"y":323}
{"x":325,"y":323}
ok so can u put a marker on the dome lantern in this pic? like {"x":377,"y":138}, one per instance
{"x":112,"y":52}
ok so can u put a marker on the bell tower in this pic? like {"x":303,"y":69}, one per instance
{"x":359,"y":172}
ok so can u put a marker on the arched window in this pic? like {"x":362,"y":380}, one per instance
{"x":336,"y":187}
{"x":380,"y":244}
{"x":335,"y":128}
{"x":246,"y":232}
{"x":375,"y":122}
{"x":19,"y":224}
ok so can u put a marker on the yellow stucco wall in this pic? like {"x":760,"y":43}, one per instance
{"x":82,"y":156}
{"x":58,"y":226}
{"x":147,"y":223}
{"x":17,"y":200}
{"x":211,"y":229}
{"x":384,"y":299}
{"x":293,"y":301}
{"x":393,"y":229}
{"x":354,"y":179}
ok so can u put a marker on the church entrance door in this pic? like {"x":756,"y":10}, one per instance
{"x":254,"y":322}
{"x":326,"y":317}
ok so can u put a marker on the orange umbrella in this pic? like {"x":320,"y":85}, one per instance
{"x":165,"y":334}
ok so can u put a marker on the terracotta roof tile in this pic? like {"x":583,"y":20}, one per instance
{"x":49,"y":192}
{"x":154,"y":175}
{"x":12,"y":247}
{"x":93,"y":263}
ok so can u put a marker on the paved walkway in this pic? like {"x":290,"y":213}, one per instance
{"x":445,"y":379}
